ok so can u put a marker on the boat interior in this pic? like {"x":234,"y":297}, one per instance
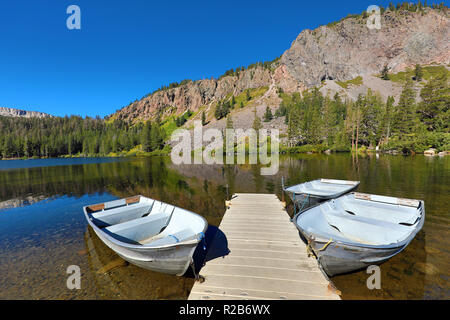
{"x":147,"y":222}
{"x":365,"y":219}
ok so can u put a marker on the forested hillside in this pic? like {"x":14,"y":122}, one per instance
{"x":71,"y":136}
{"x":417,"y":121}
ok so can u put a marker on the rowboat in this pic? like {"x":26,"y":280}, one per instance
{"x":319,"y":190}
{"x":148,"y":233}
{"x":323,"y":188}
{"x":358,"y":230}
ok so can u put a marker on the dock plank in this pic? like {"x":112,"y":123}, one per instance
{"x":267,"y":258}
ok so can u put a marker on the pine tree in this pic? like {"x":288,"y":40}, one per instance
{"x":385,"y":72}
{"x":247,"y":95}
{"x":391,"y":6}
{"x":25,"y":148}
{"x":156,"y":137}
{"x":372,"y":118}
{"x":279,"y":91}
{"x":257,"y":125}
{"x":293,"y":122}
{"x":8,"y":147}
{"x":203,"y":118}
{"x":418,"y":73}
{"x":145,"y":137}
{"x":404,"y":116}
{"x":388,"y":117}
{"x":268,"y":116}
{"x":85,"y":146}
{"x":69,"y":146}
{"x":434,"y":108}
{"x":233,"y":102}
{"x":218,"y":113}
{"x":358,"y":108}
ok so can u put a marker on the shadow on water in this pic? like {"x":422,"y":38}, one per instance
{"x":215,"y":245}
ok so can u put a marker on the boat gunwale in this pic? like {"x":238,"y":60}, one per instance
{"x":138,"y":246}
{"x":319,"y":238}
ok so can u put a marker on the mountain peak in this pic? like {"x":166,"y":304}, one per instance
{"x":13,"y":112}
{"x":340,"y":51}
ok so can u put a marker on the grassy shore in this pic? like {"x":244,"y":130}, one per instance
{"x":130,"y":153}
{"x":305,"y":149}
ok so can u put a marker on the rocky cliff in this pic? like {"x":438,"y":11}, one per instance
{"x":12,"y":112}
{"x":337,"y":52}
{"x":349,"y":49}
{"x":193,"y":95}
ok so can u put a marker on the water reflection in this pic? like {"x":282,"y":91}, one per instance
{"x":30,"y":163}
{"x":114,"y":278}
{"x":46,"y":231}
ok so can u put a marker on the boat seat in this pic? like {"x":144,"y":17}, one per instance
{"x":381,"y":212}
{"x":366,"y":230}
{"x":142,"y":228}
{"x":120,"y":214}
{"x":165,"y":238}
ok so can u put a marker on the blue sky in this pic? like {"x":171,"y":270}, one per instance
{"x":126,"y":49}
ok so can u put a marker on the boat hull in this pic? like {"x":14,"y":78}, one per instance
{"x":340,"y":259}
{"x":173,"y":260}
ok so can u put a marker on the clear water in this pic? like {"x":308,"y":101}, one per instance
{"x":43,"y":231}
{"x":31,"y":163}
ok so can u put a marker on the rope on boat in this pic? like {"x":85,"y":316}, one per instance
{"x":176,"y":239}
{"x":326,"y":245}
{"x":304,"y":202}
{"x":310,"y":251}
{"x":306,"y":199}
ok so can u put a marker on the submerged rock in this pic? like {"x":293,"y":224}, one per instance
{"x":112,"y":265}
{"x":426,"y":268}
{"x":430,"y":152}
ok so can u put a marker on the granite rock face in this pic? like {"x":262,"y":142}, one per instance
{"x":194,"y":94}
{"x":12,"y":112}
{"x":340,"y":51}
{"x":349,"y":48}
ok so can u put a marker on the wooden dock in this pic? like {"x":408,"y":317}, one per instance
{"x":267,"y":258}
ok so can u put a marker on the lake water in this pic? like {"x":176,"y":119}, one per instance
{"x":43,"y":229}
